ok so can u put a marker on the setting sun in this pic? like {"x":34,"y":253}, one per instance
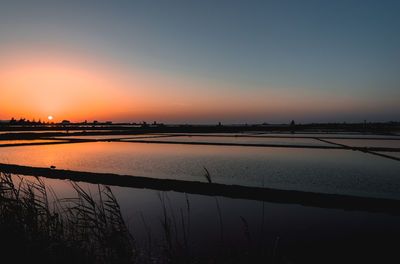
{"x":129,"y":127}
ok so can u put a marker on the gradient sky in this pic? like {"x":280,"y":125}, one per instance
{"x":200,"y":61}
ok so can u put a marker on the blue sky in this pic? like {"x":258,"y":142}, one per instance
{"x":322,"y":50}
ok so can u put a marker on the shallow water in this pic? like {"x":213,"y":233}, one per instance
{"x":303,"y":234}
{"x":389,"y":153}
{"x":368,"y":143}
{"x":51,"y":131}
{"x":244,"y":140}
{"x":317,"y":170}
{"x":22,"y":141}
{"x":329,"y":135}
{"x":109,"y":136}
{"x":215,"y":224}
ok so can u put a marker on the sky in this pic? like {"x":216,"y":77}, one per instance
{"x":200,"y":61}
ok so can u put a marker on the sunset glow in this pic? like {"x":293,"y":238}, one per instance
{"x":148,"y":75}
{"x":208,"y":131}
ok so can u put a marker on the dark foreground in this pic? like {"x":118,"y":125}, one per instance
{"x":90,"y":227}
{"x":36,"y":226}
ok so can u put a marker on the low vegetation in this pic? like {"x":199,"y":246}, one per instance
{"x":38,"y":227}
{"x":75,"y":230}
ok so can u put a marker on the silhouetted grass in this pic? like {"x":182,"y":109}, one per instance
{"x":88,"y":230}
{"x":207,"y":175}
{"x":76,"y":230}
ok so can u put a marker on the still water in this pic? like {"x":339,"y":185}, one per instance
{"x":19,"y":141}
{"x":393,"y":154}
{"x":318,"y":170}
{"x":368,"y":143}
{"x":245,"y":140}
{"x":52,"y":131}
{"x":101,"y":137}
{"x":302,"y":234}
{"x":331,"y":135}
{"x":212,"y":225}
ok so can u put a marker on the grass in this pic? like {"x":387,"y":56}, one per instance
{"x":85,"y":229}
{"x":76,"y":230}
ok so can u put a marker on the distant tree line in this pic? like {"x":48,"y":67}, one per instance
{"x":23,"y":121}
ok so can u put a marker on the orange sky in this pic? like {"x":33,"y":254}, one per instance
{"x":199,"y":62}
{"x":34,"y":87}
{"x":77,"y":89}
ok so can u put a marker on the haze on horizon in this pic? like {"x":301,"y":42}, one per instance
{"x":200,"y":61}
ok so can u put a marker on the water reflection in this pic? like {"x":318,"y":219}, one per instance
{"x":30,"y":141}
{"x":368,"y":143}
{"x":329,"y":171}
{"x":99,"y":137}
{"x":393,"y":154}
{"x":215,"y":224}
{"x":329,"y":135}
{"x":245,"y":140}
{"x":53,"y":131}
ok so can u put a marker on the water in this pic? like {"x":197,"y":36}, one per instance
{"x":302,"y":231}
{"x":219,"y":224}
{"x":305,"y":234}
{"x":52,"y":131}
{"x":368,"y":143}
{"x":100,"y":137}
{"x":318,"y":170}
{"x":389,"y":153}
{"x":18,"y":141}
{"x":330,"y":135}
{"x":244,"y":140}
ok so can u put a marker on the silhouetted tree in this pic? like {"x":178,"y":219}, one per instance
{"x":292,"y":126}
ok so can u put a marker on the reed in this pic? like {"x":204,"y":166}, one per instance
{"x":90,"y":229}
{"x":79,"y":230}
{"x":207,"y":175}
{"x":176,"y":228}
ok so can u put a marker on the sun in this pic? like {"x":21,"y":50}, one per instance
{"x":50,"y":117}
